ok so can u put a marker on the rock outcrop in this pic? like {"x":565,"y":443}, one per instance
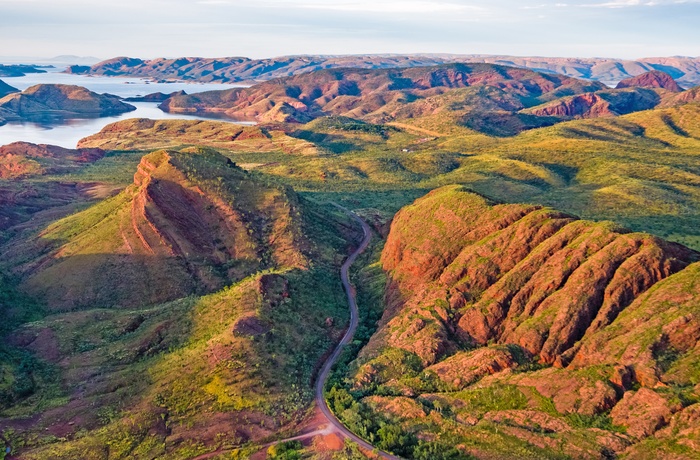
{"x":490,"y":297}
{"x":609,"y":103}
{"x":190,"y":223}
{"x":516,"y":274}
{"x":19,"y":70}
{"x":155,"y":97}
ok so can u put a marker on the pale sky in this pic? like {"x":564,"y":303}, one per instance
{"x":267,"y":28}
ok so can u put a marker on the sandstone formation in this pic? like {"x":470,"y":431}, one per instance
{"x":190,"y":223}
{"x":609,"y":103}
{"x":519,"y":298}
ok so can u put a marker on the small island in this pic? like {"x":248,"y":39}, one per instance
{"x":59,"y":101}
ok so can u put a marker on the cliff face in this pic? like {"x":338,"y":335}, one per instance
{"x":190,"y":223}
{"x":581,"y":313}
{"x":61,"y":100}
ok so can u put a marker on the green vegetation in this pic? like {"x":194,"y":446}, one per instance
{"x":226,"y":359}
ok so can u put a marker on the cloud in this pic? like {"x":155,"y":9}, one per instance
{"x":633,"y":3}
{"x":414,"y":6}
{"x":361,"y":6}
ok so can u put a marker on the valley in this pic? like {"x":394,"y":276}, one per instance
{"x":521,"y":280}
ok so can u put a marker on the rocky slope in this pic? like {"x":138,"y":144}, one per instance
{"x":237,"y":69}
{"x":382,"y":95}
{"x":22,"y":159}
{"x":190,"y":223}
{"x":653,"y":79}
{"x":608,"y":103}
{"x":644,"y":92}
{"x":60,"y":100}
{"x":560,"y":320}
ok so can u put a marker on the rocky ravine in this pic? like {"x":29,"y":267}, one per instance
{"x":574,"y":320}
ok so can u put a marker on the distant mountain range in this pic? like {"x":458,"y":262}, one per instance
{"x":686,"y":70}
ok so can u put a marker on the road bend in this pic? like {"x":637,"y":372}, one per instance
{"x":335,"y":425}
{"x":349,"y":334}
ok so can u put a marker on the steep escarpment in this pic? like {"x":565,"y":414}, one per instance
{"x":559,"y":320}
{"x":378,"y":95}
{"x":60,"y":100}
{"x":190,"y":223}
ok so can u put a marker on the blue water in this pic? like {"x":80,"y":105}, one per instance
{"x":67,"y":133}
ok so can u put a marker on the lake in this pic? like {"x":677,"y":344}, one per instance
{"x":67,"y":133}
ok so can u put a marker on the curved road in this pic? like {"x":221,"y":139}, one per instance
{"x":336,"y":425}
{"x":354,"y":320}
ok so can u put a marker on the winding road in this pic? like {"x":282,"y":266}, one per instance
{"x":354,"y":320}
{"x":334,"y":425}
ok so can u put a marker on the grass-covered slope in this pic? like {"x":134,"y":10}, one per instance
{"x":145,"y":134}
{"x":186,"y":314}
{"x":190,"y":223}
{"x":516,"y":330}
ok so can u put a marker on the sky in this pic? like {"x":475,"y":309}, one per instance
{"x":267,"y":28}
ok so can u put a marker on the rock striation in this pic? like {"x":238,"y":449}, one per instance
{"x":487,"y":296}
{"x":190,"y":223}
